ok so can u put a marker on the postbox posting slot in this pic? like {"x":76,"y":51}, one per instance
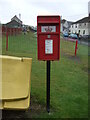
{"x":48,"y":22}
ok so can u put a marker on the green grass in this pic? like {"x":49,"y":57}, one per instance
{"x":69,"y":79}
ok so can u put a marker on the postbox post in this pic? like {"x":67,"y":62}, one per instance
{"x":48,"y":87}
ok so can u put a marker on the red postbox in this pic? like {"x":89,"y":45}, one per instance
{"x":48,"y":37}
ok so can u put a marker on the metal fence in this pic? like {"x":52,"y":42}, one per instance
{"x":26,"y":43}
{"x":22,"y":44}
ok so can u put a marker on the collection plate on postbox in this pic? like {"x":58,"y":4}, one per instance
{"x":48,"y":37}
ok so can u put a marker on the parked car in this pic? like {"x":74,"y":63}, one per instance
{"x":80,"y":36}
{"x":74,"y":36}
{"x":65,"y":34}
{"x":84,"y":37}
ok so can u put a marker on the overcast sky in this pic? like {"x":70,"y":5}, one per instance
{"x":71,"y":10}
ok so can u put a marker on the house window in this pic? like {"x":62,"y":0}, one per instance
{"x":76,"y":26}
{"x":80,"y":25}
{"x":83,"y":32}
{"x":79,"y":32}
{"x":85,"y":24}
{"x":72,"y":26}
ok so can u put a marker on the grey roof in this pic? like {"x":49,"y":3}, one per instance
{"x":69,"y":22}
{"x":13,"y":23}
{"x":16,"y":17}
{"x":83,"y":20}
{"x":63,"y":21}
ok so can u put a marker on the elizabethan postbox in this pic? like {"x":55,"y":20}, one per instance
{"x":48,"y":37}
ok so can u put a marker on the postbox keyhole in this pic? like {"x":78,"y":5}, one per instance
{"x":48,"y":36}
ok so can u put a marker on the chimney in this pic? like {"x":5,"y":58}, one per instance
{"x":19,"y":16}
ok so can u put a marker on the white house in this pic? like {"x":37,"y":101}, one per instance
{"x":81,"y":27}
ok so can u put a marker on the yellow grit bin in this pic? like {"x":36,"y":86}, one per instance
{"x":15,"y":82}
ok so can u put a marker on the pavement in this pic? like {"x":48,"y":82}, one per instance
{"x":79,"y":42}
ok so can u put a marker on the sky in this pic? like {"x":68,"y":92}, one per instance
{"x":71,"y":10}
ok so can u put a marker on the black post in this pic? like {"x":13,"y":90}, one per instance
{"x":48,"y":86}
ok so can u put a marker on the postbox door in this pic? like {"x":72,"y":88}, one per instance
{"x":48,"y":47}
